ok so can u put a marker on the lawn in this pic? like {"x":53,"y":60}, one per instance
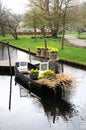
{"x":80,"y":36}
{"x":68,"y":53}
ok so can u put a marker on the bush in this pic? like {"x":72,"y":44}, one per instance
{"x":48,"y":74}
{"x":33,"y":71}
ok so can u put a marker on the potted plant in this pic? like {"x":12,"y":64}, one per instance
{"x":53,"y":53}
{"x":43,"y":51}
{"x":38,"y":51}
{"x":47,"y":74}
{"x":34,"y":74}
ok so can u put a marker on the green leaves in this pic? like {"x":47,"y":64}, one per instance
{"x":34,"y":71}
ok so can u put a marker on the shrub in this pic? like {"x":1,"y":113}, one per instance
{"x":33,"y":71}
{"x":48,"y":74}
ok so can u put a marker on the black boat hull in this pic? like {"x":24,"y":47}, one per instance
{"x":31,"y":85}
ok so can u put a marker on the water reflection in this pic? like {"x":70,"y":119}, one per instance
{"x":4,"y":52}
{"x":52,"y":106}
{"x":15,"y":54}
{"x":33,"y":112}
{"x":10,"y":93}
{"x":29,"y":111}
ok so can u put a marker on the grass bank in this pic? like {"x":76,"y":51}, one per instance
{"x":68,"y":53}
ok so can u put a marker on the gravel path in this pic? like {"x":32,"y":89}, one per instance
{"x":75,"y":41}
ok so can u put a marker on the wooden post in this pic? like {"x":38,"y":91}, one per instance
{"x":10,"y":78}
{"x":29,"y":55}
{"x":10,"y":93}
{"x":45,"y":44}
{"x":9,"y":58}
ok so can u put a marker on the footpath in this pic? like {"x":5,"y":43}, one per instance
{"x":75,"y":41}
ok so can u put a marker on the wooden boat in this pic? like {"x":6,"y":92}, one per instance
{"x":22,"y":76}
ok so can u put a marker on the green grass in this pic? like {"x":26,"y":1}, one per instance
{"x":81,"y":36}
{"x":68,"y":53}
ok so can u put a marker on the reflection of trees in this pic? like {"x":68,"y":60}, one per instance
{"x":4,"y":52}
{"x":1,"y":51}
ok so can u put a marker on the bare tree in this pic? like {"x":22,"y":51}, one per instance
{"x":12,"y":24}
{"x":2,"y":19}
{"x":8,"y":22}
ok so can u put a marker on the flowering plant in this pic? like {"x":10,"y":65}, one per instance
{"x":53,"y":49}
{"x":47,"y":74}
{"x":34,"y":74}
{"x":33,"y":71}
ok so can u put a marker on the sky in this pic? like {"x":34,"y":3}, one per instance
{"x":17,"y":6}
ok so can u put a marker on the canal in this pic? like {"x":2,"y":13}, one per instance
{"x":29,"y":112}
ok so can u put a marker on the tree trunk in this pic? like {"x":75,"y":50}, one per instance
{"x":43,"y":32}
{"x":54,"y":33}
{"x":63,"y":32}
{"x":15,"y":35}
{"x":2,"y":31}
{"x":34,"y":28}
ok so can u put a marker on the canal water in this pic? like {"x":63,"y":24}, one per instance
{"x":29,"y":112}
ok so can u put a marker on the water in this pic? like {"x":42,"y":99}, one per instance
{"x":15,"y":54}
{"x":28,"y":112}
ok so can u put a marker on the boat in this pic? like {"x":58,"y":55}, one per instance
{"x":22,"y":76}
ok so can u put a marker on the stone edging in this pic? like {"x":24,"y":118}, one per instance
{"x":74,"y":64}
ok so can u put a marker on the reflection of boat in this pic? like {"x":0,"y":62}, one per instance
{"x":53,"y":106}
{"x":22,"y":76}
{"x":5,"y":70}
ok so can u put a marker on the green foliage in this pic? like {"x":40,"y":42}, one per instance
{"x":48,"y":74}
{"x":80,"y":36}
{"x":40,"y":77}
{"x":34,"y":71}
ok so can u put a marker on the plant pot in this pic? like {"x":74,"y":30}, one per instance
{"x":53,"y":55}
{"x":44,"y":52}
{"x":34,"y":76}
{"x":38,"y":51}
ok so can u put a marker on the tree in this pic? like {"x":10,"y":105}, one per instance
{"x":83,"y":15}
{"x":64,"y":9}
{"x":51,"y":13}
{"x":8,"y":22}
{"x":76,"y":17}
{"x":2,"y":19}
{"x":56,"y":15}
{"x":12,"y":24}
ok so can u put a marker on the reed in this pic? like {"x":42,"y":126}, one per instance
{"x":62,"y":80}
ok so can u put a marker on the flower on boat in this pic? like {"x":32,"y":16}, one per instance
{"x":40,"y":76}
{"x":34,"y":74}
{"x":47,"y":74}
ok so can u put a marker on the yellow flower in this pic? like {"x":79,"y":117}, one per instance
{"x":53,"y":49}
